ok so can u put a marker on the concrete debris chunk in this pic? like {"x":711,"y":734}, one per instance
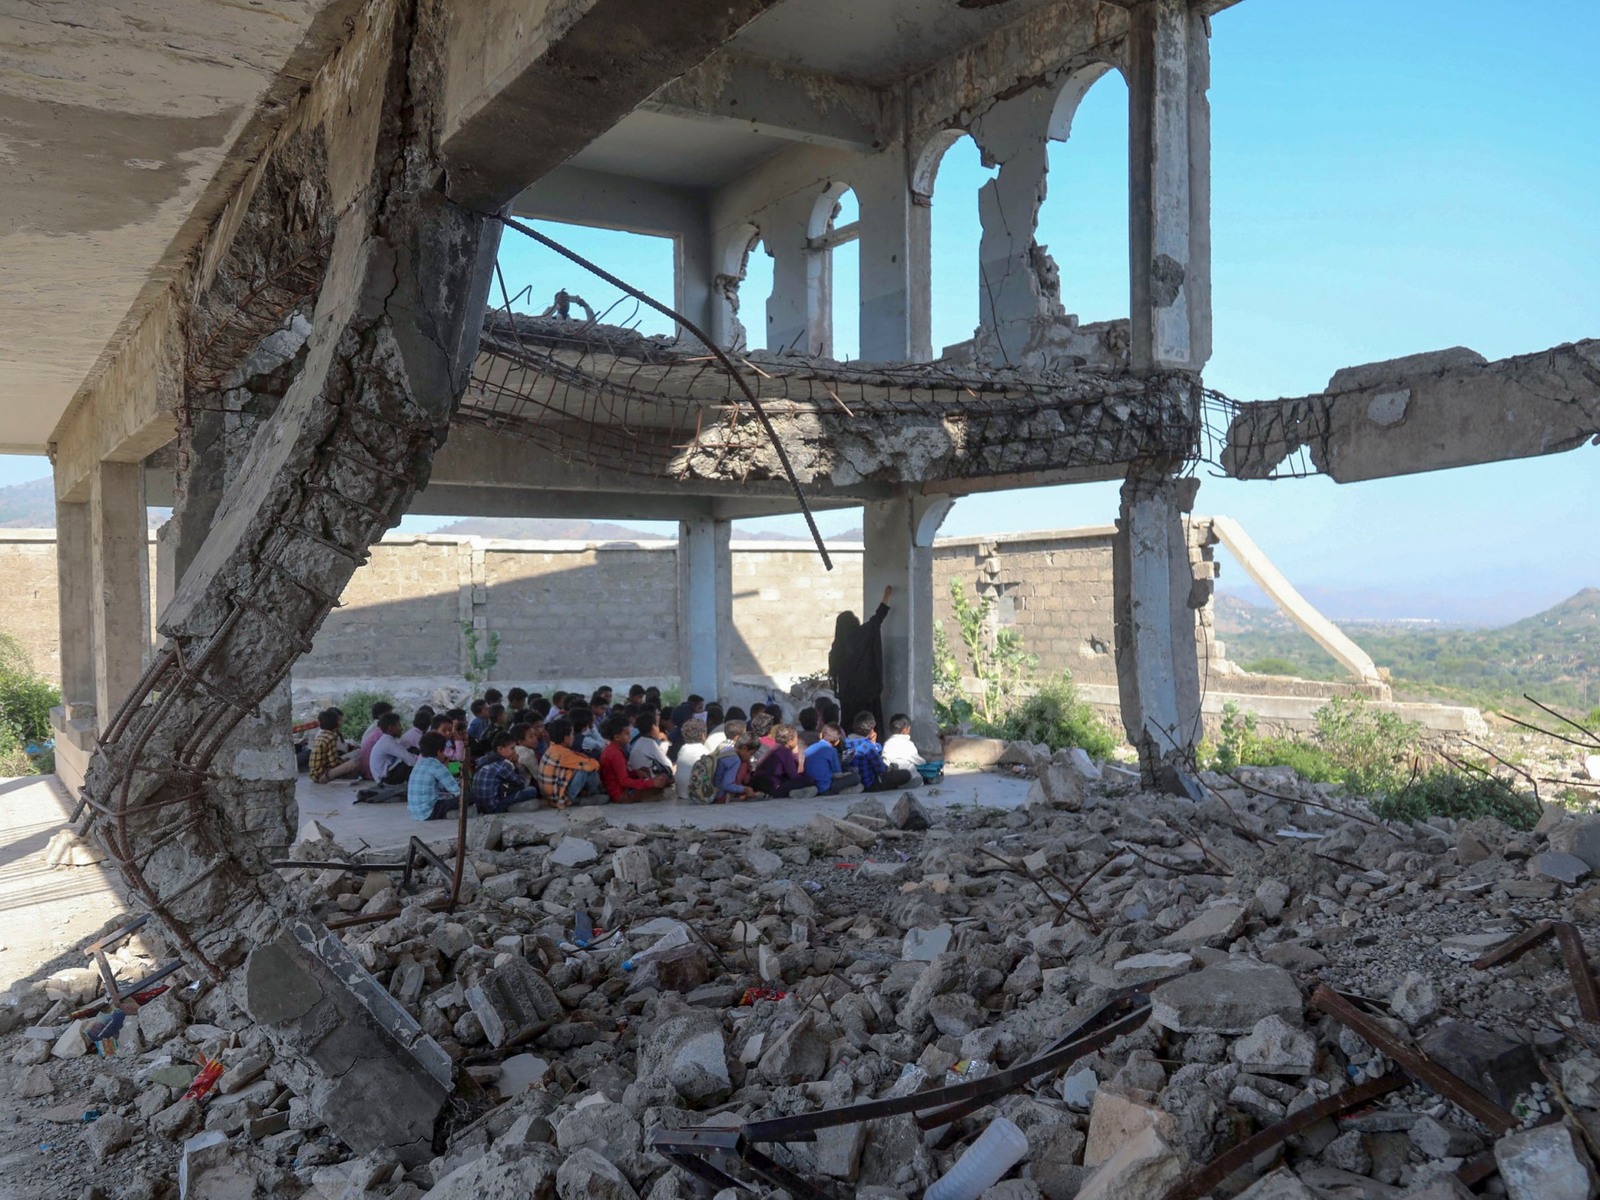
{"x":1230,"y":997}
{"x":1548,"y":1163}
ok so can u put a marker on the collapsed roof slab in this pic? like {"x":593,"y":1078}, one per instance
{"x":602,"y":398}
{"x":1426,"y":412}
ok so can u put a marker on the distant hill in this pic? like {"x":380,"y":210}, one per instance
{"x":1553,"y":656}
{"x":30,"y":505}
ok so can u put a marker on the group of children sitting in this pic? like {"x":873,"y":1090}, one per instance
{"x":527,"y":750}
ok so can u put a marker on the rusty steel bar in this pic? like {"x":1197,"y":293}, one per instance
{"x":1415,"y":1063}
{"x":1247,"y":1151}
{"x":1570,"y":941}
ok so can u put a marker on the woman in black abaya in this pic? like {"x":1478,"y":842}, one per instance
{"x":855,"y":664}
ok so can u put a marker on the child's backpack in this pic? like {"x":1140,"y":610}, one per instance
{"x":703,"y":780}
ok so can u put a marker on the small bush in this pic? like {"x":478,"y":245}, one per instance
{"x":1371,"y":748}
{"x":1239,"y":745}
{"x":1460,"y":795}
{"x":357,"y":709}
{"x":1272,"y":666}
{"x":1057,"y":716}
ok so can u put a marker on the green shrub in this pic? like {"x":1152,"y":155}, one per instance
{"x":1239,"y":745}
{"x":1272,"y":666}
{"x":1057,"y":716}
{"x":1371,"y":748}
{"x":357,"y":709}
{"x":1458,"y":794}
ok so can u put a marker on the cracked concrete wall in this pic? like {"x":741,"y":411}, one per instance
{"x":1425,"y":412}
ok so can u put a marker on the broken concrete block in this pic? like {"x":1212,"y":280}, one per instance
{"x":587,"y":1176}
{"x":1143,"y":1166}
{"x":1498,"y":1067}
{"x":763,"y":862}
{"x":107,"y":1135}
{"x":1118,"y":1118}
{"x":1415,"y":1000}
{"x":71,"y":1043}
{"x":246,"y":1071}
{"x":909,"y":814}
{"x":315,"y":1001}
{"x":519,"y":1073}
{"x":1563,"y":868}
{"x":1579,"y":837}
{"x":1142,"y":968}
{"x":1548,"y":1163}
{"x":925,"y":945}
{"x":1438,"y":1140}
{"x":574,"y":852}
{"x":1060,"y":786}
{"x":32,"y":1083}
{"x":512,"y":1001}
{"x":689,"y":1053}
{"x":163,"y":1019}
{"x":1282,"y":1184}
{"x":1227,"y":998}
{"x":1275,"y":1047}
{"x":797,"y":1056}
{"x":1212,"y":926}
{"x":631,"y":866}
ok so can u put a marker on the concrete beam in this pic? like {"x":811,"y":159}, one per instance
{"x":782,"y":101}
{"x":119,"y":609}
{"x":527,"y":87}
{"x":130,"y":412}
{"x":1291,"y":603}
{"x":1426,"y":412}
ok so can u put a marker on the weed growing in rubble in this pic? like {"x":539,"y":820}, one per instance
{"x":481,"y":657}
{"x":1372,"y":748}
{"x":1239,"y":744}
{"x":1057,"y":716}
{"x":1054,"y":714}
{"x":1458,"y":794}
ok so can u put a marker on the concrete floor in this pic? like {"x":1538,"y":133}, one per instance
{"x":389,"y":827}
{"x":44,"y":912}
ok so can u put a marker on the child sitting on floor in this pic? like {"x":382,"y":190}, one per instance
{"x":327,"y":759}
{"x":733,"y":771}
{"x":621,"y":784}
{"x":900,"y":751}
{"x":779,"y":773}
{"x":565,"y":776}
{"x":432,"y":792}
{"x":497,"y":783}
{"x":824,"y":765}
{"x":866,"y":757}
{"x":691,"y":751}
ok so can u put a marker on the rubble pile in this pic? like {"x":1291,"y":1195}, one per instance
{"x":598,"y":987}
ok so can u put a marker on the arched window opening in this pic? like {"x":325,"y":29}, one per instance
{"x":950,"y":177}
{"x":754,"y":290}
{"x":1083,"y":221}
{"x":835,"y":274}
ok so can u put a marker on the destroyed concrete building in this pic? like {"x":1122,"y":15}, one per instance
{"x":294,"y":211}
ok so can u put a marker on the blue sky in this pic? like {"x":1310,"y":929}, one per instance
{"x":1387,"y":178}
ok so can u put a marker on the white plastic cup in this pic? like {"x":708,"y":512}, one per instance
{"x":1000,"y":1148}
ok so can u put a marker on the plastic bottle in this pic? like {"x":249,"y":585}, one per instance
{"x":999,"y":1149}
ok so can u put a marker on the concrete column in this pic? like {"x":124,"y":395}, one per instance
{"x":784,"y":229}
{"x":75,"y":589}
{"x":887,"y":233}
{"x":1169,"y":186}
{"x":119,"y":608}
{"x":705,"y":599}
{"x":898,"y":552}
{"x":1158,"y":672}
{"x":1011,"y":297}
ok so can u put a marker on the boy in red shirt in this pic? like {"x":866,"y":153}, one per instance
{"x":621,"y":784}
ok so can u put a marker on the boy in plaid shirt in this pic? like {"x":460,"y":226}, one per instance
{"x":497,"y":784}
{"x":327,"y":749}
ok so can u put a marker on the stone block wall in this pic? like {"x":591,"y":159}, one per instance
{"x":582,"y":613}
{"x":1055,"y":590}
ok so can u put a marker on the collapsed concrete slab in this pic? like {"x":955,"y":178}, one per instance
{"x":1425,"y":412}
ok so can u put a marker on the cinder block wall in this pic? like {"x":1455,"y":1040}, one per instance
{"x":581,"y":612}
